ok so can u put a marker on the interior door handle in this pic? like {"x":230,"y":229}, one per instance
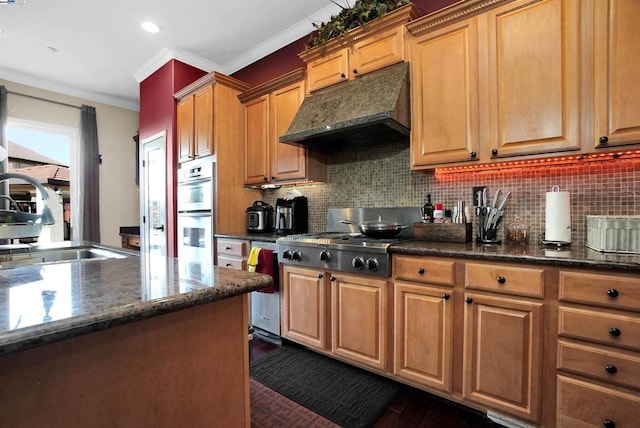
{"x":160,"y":228}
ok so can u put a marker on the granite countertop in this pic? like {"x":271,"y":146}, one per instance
{"x":94,"y":295}
{"x":251,"y":236}
{"x":571,"y":256}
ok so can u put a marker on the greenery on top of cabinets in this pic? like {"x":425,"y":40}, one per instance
{"x":349,"y":18}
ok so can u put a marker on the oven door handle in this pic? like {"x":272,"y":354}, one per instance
{"x":206,"y":213}
{"x":193,"y":181}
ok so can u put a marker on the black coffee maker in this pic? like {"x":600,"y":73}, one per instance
{"x":292,"y":216}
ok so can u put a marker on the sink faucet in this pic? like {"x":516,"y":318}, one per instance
{"x":46,"y":217}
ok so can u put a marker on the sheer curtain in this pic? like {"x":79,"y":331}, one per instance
{"x":4,"y":186}
{"x":90,"y":177}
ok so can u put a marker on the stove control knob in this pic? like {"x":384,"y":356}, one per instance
{"x":372,"y":264}
{"x":286,"y":254}
{"x":296,"y":256}
{"x":325,"y":256}
{"x":358,"y":263}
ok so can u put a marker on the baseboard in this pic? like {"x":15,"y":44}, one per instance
{"x":507,"y":421}
{"x":266,"y":336}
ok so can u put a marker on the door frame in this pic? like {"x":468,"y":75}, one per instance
{"x":144,"y":236}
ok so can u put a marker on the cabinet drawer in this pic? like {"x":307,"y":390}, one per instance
{"x":597,"y":289}
{"x":582,"y":404}
{"x":232,"y":262}
{"x":601,"y":327}
{"x":424,"y":269}
{"x":384,"y":49}
{"x":505,"y":279}
{"x":608,"y":365}
{"x":232,"y":247}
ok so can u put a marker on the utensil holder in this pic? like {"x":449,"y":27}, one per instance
{"x":488,"y":226}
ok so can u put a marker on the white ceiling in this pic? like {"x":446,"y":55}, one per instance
{"x":103,"y":54}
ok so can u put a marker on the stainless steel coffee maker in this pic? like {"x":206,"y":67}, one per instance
{"x":292,"y":216}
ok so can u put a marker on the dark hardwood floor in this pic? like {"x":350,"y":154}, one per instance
{"x":411,"y":407}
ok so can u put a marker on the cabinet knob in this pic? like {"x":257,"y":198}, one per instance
{"x":228,"y":265}
{"x":473,"y":155}
{"x":612,"y":292}
{"x":273,"y":177}
{"x":421,"y":271}
{"x":320,"y":276}
{"x":603,"y":140}
{"x":494,"y":152}
{"x":502,"y":279}
{"x":355,"y":71}
{"x":227,"y":248}
{"x":445,"y":296}
{"x":615,"y":332}
{"x":608,"y":423}
{"x":343,"y":75}
{"x":332,"y":278}
{"x":610,"y":368}
{"x":265,"y":178}
{"x":468,"y":300}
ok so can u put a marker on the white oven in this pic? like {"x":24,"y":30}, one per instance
{"x":195,"y":211}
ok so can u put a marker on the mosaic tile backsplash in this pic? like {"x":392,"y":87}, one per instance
{"x":380,"y":177}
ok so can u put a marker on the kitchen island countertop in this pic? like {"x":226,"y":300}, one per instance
{"x":47,"y":303}
{"x":571,"y":256}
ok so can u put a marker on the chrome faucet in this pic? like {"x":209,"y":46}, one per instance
{"x":46,"y":217}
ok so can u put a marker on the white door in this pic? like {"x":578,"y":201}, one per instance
{"x":153,"y":211}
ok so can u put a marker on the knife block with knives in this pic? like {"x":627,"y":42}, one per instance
{"x":490,"y":217}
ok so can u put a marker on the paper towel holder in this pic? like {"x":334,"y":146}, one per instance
{"x":541,"y":237}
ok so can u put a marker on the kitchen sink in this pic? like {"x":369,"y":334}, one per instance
{"x":8,"y":261}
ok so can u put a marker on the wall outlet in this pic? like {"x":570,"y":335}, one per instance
{"x":476,"y":189}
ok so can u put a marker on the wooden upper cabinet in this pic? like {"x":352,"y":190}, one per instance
{"x":195,"y":124}
{"x":256,"y":117}
{"x":617,"y":67}
{"x":184,"y":113}
{"x":288,"y":162}
{"x":203,"y":144}
{"x":269,"y":110}
{"x":444,"y":69}
{"x":364,"y":49}
{"x":533,"y":77}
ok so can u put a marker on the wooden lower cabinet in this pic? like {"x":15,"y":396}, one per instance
{"x":359,"y":319}
{"x":423,"y":335}
{"x":502,"y":362}
{"x":304,"y":312}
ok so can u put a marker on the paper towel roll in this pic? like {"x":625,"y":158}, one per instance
{"x":558,"y":216}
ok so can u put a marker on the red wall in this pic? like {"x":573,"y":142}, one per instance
{"x":157,"y":114}
{"x":286,"y":59}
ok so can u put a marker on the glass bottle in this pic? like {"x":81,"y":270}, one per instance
{"x":517,"y":232}
{"x":427,"y":210}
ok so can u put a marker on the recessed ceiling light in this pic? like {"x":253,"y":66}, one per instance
{"x":52,"y":49}
{"x":150,"y":27}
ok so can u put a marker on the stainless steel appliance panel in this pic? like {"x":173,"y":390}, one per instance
{"x":265,"y":307}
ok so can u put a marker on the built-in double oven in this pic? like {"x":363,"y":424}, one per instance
{"x":196,"y":195}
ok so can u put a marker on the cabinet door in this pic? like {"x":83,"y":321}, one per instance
{"x":423,"y":331}
{"x":378,"y":51}
{"x":288,"y":162}
{"x":617,"y":67}
{"x":359,"y":319}
{"x":203,"y":122}
{"x":533,"y":77}
{"x":184,"y":119}
{"x":256,"y":119}
{"x":502,"y":354}
{"x":444,"y":67}
{"x":304,"y":306}
{"x":328,"y":69}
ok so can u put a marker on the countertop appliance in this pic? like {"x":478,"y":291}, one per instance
{"x":342,"y":248}
{"x":292,"y":216}
{"x":260,"y":217}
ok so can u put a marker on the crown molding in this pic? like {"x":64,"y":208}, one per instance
{"x":166,"y":54}
{"x":36,"y":82}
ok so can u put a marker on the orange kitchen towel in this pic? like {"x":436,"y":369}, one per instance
{"x":252,"y":261}
{"x":268,"y":264}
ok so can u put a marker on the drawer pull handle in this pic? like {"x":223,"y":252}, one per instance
{"x":445,"y":296}
{"x":468,"y":300}
{"x":608,"y":423}
{"x":421,"y":271}
{"x":610,"y":368}
{"x":320,"y":276}
{"x":228,"y":265}
{"x":227,"y":248}
{"x":614,"y":331}
{"x":502,"y":279}
{"x":612,"y":292}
